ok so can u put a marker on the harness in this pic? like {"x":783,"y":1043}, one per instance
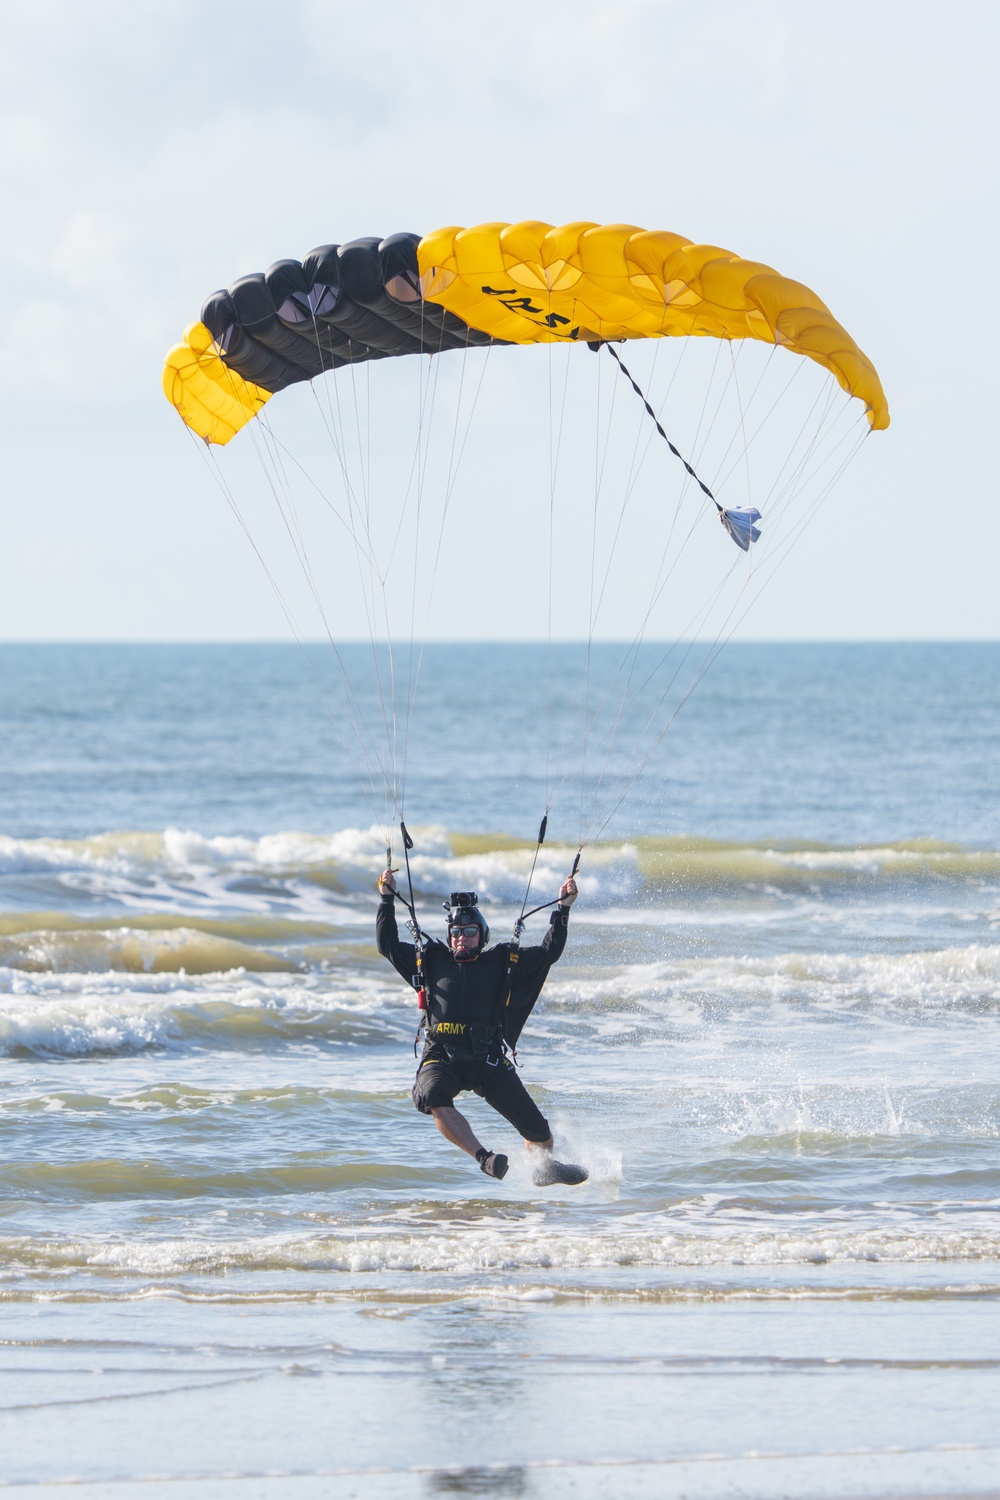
{"x":420,"y":938}
{"x":417,"y":979}
{"x":508,"y":982}
{"x":484,"y":1039}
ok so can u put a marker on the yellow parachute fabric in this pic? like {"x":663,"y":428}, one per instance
{"x":532,"y":283}
{"x":214,"y":401}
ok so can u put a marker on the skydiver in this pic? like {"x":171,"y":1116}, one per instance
{"x":468,"y":993}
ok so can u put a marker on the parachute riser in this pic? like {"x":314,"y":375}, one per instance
{"x":519,"y":925}
{"x":420,"y":939}
{"x":543,"y":825}
{"x":546,"y":904}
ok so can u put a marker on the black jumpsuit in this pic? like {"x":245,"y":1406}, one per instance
{"x":468,"y":1019}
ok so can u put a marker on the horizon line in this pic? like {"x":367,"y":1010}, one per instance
{"x":450,"y":641}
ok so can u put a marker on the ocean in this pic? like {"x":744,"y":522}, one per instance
{"x":235,"y":1261}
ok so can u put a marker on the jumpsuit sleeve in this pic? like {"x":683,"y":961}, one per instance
{"x":532,"y":971}
{"x":401,"y":955}
{"x":539,"y":960}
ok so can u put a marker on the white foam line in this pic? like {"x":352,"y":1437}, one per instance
{"x":491,"y":1253}
{"x":535,"y":1465}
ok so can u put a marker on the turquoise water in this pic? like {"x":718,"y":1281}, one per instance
{"x":231,"y":1247}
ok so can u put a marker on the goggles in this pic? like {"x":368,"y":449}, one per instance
{"x":464,"y":929}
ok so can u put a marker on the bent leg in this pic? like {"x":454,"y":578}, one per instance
{"x":503,"y":1091}
{"x":455,"y":1128}
{"x":434,"y":1093}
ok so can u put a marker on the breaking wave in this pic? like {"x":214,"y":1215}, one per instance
{"x":75,"y":1017}
{"x":176,"y":989}
{"x":345,"y":863}
{"x":473,"y":1252}
{"x":951,"y":979}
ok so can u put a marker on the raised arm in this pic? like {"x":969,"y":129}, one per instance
{"x":401,"y":955}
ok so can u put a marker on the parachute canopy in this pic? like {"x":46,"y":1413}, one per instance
{"x":526,"y":283}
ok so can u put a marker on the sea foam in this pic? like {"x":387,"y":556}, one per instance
{"x":347,"y":862}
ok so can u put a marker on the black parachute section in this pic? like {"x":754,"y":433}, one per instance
{"x":341,"y":305}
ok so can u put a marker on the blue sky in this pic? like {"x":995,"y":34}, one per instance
{"x":150,"y":153}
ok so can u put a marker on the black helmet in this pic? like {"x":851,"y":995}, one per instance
{"x":463,"y":908}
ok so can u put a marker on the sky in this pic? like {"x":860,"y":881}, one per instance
{"x":152,"y":152}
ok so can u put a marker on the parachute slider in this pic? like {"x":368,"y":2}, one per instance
{"x":739,"y":522}
{"x":737,"y":519}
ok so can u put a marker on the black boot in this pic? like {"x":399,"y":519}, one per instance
{"x":493,"y":1163}
{"x":550,"y":1171}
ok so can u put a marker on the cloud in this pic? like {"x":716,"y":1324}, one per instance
{"x":776,"y":78}
{"x":26,"y":143}
{"x":89,"y":252}
{"x":34,"y":352}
